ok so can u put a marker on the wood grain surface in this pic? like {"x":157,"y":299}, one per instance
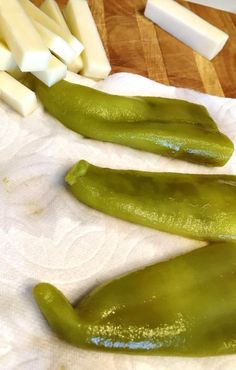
{"x":134,"y":44}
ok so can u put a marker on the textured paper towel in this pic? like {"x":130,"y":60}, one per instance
{"x":46,"y":235}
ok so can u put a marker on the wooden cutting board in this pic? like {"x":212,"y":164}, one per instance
{"x":134,"y":44}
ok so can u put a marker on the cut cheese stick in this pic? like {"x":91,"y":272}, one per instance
{"x":227,"y":5}
{"x":51,"y":8}
{"x":76,"y":45}
{"x":56,"y":44}
{"x":22,"y":38}
{"x":80,"y":80}
{"x":186,"y":26}
{"x":16,"y":95}
{"x":76,"y":65}
{"x":37,"y":15}
{"x":55,"y":72}
{"x":7,"y":62}
{"x":82,"y":25}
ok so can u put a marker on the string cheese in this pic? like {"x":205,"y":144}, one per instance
{"x":51,"y":8}
{"x":56,"y":44}
{"x":7,"y":61}
{"x":35,"y":13}
{"x":227,"y":5}
{"x":186,"y":26}
{"x":81,"y":23}
{"x":55,"y":72}
{"x":76,"y":65}
{"x":21,"y":37}
{"x":16,"y":95}
{"x":80,"y":80}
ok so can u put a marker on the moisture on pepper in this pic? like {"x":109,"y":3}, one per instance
{"x":195,"y":206}
{"x":182,"y":307}
{"x":169,"y":127}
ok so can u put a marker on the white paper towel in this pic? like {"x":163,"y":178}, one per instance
{"x":46,"y":235}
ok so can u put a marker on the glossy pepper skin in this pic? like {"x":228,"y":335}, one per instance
{"x":196,"y":206}
{"x":169,"y":127}
{"x":182,"y":307}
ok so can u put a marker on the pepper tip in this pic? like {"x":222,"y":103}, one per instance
{"x":39,"y":288}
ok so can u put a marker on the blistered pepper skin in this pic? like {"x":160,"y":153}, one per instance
{"x":182,"y":307}
{"x":169,"y":127}
{"x":196,"y":206}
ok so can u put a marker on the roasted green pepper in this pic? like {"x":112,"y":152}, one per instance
{"x":168,"y":127}
{"x":185,"y":306}
{"x":196,"y":206}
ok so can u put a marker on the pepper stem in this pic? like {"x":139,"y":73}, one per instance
{"x":78,"y":170}
{"x":57,"y":310}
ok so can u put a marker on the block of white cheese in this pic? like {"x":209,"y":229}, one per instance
{"x":76,"y":45}
{"x":37,"y":15}
{"x":16,"y":95}
{"x":80,"y":80}
{"x":56,"y":44}
{"x":22,"y":38}
{"x":186,"y":26}
{"x":76,"y":65}
{"x":227,"y":5}
{"x":81,"y":23}
{"x":52,"y":9}
{"x":7,"y":62}
{"x":55,"y":72}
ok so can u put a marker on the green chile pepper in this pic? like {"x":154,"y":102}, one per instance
{"x":185,"y":306}
{"x":196,"y":206}
{"x":169,"y":127}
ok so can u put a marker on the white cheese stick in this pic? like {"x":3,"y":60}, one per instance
{"x":52,"y":9}
{"x":37,"y":15}
{"x":76,"y":65}
{"x":186,"y":26}
{"x":82,"y":25}
{"x":7,"y":62}
{"x":80,"y":80}
{"x":76,"y":45}
{"x":16,"y":95}
{"x":55,"y":72}
{"x":56,"y":44}
{"x":227,"y":5}
{"x":22,"y":38}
